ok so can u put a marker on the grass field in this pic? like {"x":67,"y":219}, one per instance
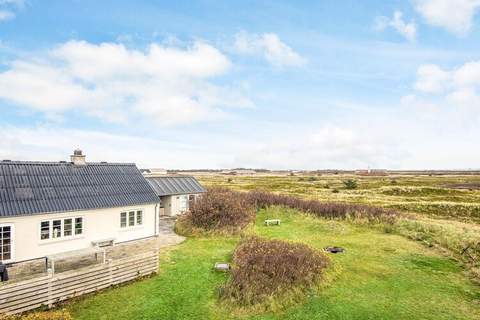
{"x":428,"y":195}
{"x":381,"y":276}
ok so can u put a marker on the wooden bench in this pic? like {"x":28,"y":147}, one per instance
{"x":275,"y":222}
{"x":222,"y":266}
{"x":103,"y":242}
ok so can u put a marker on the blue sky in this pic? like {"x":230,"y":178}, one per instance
{"x":264,"y":84}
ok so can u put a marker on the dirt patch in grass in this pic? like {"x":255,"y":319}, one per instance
{"x":267,"y":273}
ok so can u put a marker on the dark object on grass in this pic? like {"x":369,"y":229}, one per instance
{"x":334,"y":249}
{"x":222,"y":266}
{"x":3,"y":272}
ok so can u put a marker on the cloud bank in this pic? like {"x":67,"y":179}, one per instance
{"x":169,"y":85}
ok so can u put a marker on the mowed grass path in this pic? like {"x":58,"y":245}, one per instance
{"x":381,"y":276}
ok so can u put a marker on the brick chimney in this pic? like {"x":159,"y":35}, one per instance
{"x":78,"y":159}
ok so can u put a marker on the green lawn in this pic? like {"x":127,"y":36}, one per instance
{"x":381,"y":276}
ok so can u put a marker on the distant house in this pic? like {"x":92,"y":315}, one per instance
{"x":176,"y":193}
{"x":371,"y":172}
{"x":54,"y":207}
{"x":239,"y":172}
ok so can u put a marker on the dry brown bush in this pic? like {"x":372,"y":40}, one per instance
{"x":220,"y":209}
{"x":265,"y":268}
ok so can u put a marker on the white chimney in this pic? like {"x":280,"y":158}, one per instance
{"x":78,"y":159}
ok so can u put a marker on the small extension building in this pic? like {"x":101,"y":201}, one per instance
{"x":48,"y":208}
{"x":176,"y":192}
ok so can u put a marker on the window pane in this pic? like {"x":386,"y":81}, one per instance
{"x":123,"y":220}
{"x":78,"y":225}
{"x":67,"y":227}
{"x":183,"y":203}
{"x":56,"y":228}
{"x":139,"y":217}
{"x":45,"y":230}
{"x":131,"y":218}
{"x":5,"y":243}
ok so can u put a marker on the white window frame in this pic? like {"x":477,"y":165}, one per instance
{"x":183,"y":199}
{"x":62,"y":237}
{"x":12,"y":241}
{"x":135,"y":218}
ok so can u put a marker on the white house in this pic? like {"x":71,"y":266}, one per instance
{"x":176,"y":192}
{"x":48,"y":208}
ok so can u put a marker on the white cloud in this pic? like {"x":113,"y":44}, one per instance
{"x":454,"y":15}
{"x":275,"y":51}
{"x":432,"y":79}
{"x":407,"y":30}
{"x":168,"y":85}
{"x":456,"y":89}
{"x":6,"y":15}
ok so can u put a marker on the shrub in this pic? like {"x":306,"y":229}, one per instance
{"x":266,"y":269}
{"x":350,"y":184}
{"x":41,"y":315}
{"x":311,"y":179}
{"x":324,"y":209}
{"x":335,"y":190}
{"x":220,"y":209}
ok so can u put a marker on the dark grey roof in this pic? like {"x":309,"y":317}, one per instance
{"x":45,"y":187}
{"x":169,"y":185}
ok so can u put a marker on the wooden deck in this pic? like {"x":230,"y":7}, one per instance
{"x":50,"y":289}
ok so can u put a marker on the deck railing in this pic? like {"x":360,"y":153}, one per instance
{"x":53,"y":288}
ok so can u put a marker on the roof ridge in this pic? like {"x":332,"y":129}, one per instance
{"x":12,"y":162}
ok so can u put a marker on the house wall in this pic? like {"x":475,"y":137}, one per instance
{"x":97,"y":225}
{"x":172,"y":205}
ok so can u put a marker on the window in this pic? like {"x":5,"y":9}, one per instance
{"x":183,"y":203}
{"x":44,"y":230}
{"x":78,"y":225}
{"x":56,"y":229}
{"x":60,"y":228}
{"x":67,"y":227}
{"x":123,"y":220}
{"x":6,"y":240}
{"x":131,"y":218}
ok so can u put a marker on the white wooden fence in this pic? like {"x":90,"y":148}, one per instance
{"x":47,"y":290}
